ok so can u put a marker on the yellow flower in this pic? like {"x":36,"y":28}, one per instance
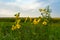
{"x":35,"y":22}
{"x":39,"y":20}
{"x":16,"y":22}
{"x":44,"y":23}
{"x":18,"y":26}
{"x":13,"y":27}
{"x":17,"y":16}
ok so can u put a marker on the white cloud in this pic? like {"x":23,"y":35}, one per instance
{"x":24,"y":6}
{"x":31,"y":6}
{"x":5,"y":13}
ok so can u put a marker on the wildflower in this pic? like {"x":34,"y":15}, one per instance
{"x":35,"y":22}
{"x":18,"y":26}
{"x":39,"y":20}
{"x":13,"y":27}
{"x":16,"y":22}
{"x":44,"y":23}
{"x":17,"y":16}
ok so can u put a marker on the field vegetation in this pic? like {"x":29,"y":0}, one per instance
{"x":29,"y":31}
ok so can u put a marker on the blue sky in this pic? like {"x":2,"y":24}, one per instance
{"x":28,"y":7}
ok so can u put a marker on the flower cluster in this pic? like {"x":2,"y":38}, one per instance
{"x":35,"y":21}
{"x":45,"y":13}
{"x":17,"y":21}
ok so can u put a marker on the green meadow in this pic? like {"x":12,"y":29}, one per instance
{"x":29,"y":31}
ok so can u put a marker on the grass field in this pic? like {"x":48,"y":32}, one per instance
{"x":29,"y":31}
